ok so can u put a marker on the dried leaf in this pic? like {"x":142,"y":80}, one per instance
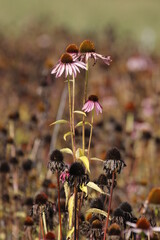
{"x":79,"y":153}
{"x":66,"y":135}
{"x":66,"y":190}
{"x":84,"y":189}
{"x":66,"y":150}
{"x":97,"y":210}
{"x":70,"y":210}
{"x":85,"y":161}
{"x":59,"y":122}
{"x":95,"y":187}
{"x":97,"y":159}
{"x":70,"y":232}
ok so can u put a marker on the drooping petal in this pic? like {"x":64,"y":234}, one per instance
{"x":70,"y":69}
{"x":131,"y":224}
{"x":74,"y":70}
{"x":59,"y":70}
{"x":54,"y":70}
{"x":66,"y":70}
{"x":98,"y":108}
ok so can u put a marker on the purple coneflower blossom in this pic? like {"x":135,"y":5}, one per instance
{"x":68,"y":65}
{"x":87,"y":50}
{"x":73,"y":50}
{"x":92,"y":103}
{"x":142,"y":226}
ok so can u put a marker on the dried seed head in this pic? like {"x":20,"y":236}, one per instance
{"x":87,"y":46}
{"x":102,"y":180}
{"x":126,"y":207}
{"x":28,"y":221}
{"x":56,"y":156}
{"x":88,"y":217}
{"x":118,"y":213}
{"x":6,"y":198}
{"x":154,"y":196}
{"x":96,"y":224}
{"x":10,"y":140}
{"x":93,"y":98}
{"x":4,"y":167}
{"x":14,"y":161}
{"x":20,"y":153}
{"x":97,"y":203}
{"x":41,"y":198}
{"x":76,"y":169}
{"x":130,"y":107}
{"x":114,"y":230}
{"x":27,"y":165}
{"x":66,"y":58}
{"x":143,"y":223}
{"x":50,"y":236}
{"x":29,"y":201}
{"x":113,"y":154}
{"x":146,"y":135}
{"x":72,"y":48}
{"x":14,"y":116}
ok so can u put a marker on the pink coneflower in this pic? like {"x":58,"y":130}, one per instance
{"x":72,"y":49}
{"x":87,"y":50}
{"x":142,"y":226}
{"x":92,"y":103}
{"x":68,"y":65}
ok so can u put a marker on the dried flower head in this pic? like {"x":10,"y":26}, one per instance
{"x":114,"y":230}
{"x":14,"y":161}
{"x":114,"y":163}
{"x":50,"y":236}
{"x":28,"y":221}
{"x":41,"y":199}
{"x":143,"y":223}
{"x":27,"y":165}
{"x":92,"y":103}
{"x":56,"y":162}
{"x":77,"y":175}
{"x":68,"y":65}
{"x":154,"y":196}
{"x":97,"y":203}
{"x":126,"y":207}
{"x":4,"y":167}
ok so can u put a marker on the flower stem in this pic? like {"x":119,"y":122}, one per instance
{"x":75,"y":212}
{"x":59,"y":207}
{"x":70,"y":113}
{"x":84,"y":100}
{"x":73,"y":128}
{"x":44,"y":222}
{"x":90,"y":137}
{"x":109,"y":206}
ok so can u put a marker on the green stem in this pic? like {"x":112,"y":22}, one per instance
{"x":90,"y":137}
{"x":84,"y":100}
{"x":70,"y":113}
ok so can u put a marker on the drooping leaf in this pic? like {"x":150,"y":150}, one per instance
{"x":81,"y":123}
{"x":85,"y":161}
{"x":59,"y":122}
{"x":84,"y":189}
{"x":20,"y":214}
{"x":66,"y":150}
{"x":95,"y":187}
{"x":97,"y":159}
{"x":70,"y":209}
{"x":80,"y":112}
{"x":66,"y":135}
{"x":70,"y":232}
{"x":79,"y":152}
{"x":66,"y":190}
{"x":97,"y":210}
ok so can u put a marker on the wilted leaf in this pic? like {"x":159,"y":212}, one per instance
{"x":79,"y":153}
{"x":66,"y":150}
{"x":66,"y":190}
{"x":80,"y":112}
{"x":70,"y":210}
{"x":85,"y":161}
{"x":84,"y":189}
{"x":59,"y":122}
{"x":66,"y":135}
{"x":20,"y":214}
{"x":96,"y":210}
{"x":81,"y":123}
{"x":97,"y":159}
{"x":95,"y":187}
{"x":70,"y":232}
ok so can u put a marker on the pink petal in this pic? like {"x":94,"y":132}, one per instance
{"x":54,"y":70}
{"x":98,"y":108}
{"x":70,"y":69}
{"x":59,"y":70}
{"x":74,"y":70}
{"x":66,"y":70}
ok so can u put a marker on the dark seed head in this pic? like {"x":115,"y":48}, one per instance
{"x":6,"y":198}
{"x":66,"y":58}
{"x":29,"y":202}
{"x":96,"y":224}
{"x":27,"y":165}
{"x":97,"y":203}
{"x":143,"y":223}
{"x":114,"y":230}
{"x":56,"y":156}
{"x":76,"y":169}
{"x":126,"y":207}
{"x":4,"y":167}
{"x":72,"y":48}
{"x":41,"y":198}
{"x":87,"y":46}
{"x":102,"y":180}
{"x":146,"y":135}
{"x":50,"y":236}
{"x":118,"y":213}
{"x":93,"y":98}
{"x":28,"y":221}
{"x":14,"y":161}
{"x":113,"y":154}
{"x":19,"y":153}
{"x":10,"y":140}
{"x":14,"y":116}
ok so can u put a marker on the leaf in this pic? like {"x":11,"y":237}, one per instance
{"x":80,"y":112}
{"x":97,"y":210}
{"x":83,"y":189}
{"x":85,"y":161}
{"x":66,"y":190}
{"x":66,"y":135}
{"x":59,"y":122}
{"x":70,"y":209}
{"x":81,"y":123}
{"x":95,"y":187}
{"x":20,"y":214}
{"x":66,"y":150}
{"x":79,"y":152}
{"x":97,"y":159}
{"x":70,"y":232}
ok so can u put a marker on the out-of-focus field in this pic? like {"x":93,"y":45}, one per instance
{"x":141,"y":18}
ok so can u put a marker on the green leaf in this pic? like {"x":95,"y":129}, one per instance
{"x":80,"y":112}
{"x":59,"y":122}
{"x":70,"y":209}
{"x":81,"y":124}
{"x":79,"y":152}
{"x":96,"y":210}
{"x":66,"y":190}
{"x":70,"y":232}
{"x":95,"y":187}
{"x":66,"y":150}
{"x":66,"y":135}
{"x":97,"y":159}
{"x":83,"y":189}
{"x":85,"y":161}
